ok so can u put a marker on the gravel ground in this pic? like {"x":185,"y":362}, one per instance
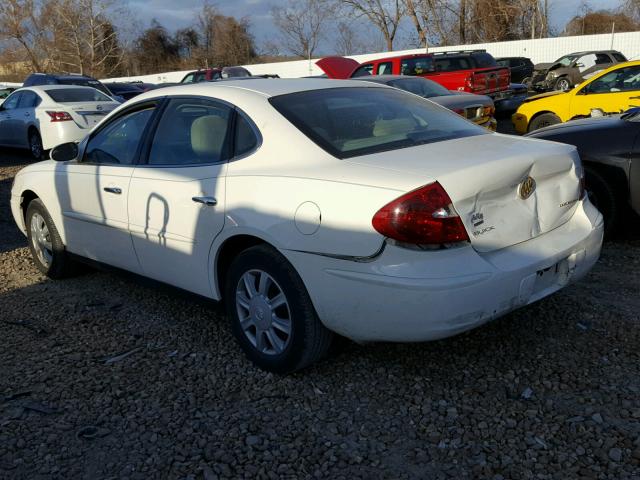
{"x":551,"y":391}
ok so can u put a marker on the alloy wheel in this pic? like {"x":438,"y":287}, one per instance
{"x":35,"y":144}
{"x":263,"y":312}
{"x":41,"y":239}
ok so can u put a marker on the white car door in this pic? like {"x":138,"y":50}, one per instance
{"x":7,"y":122}
{"x":176,"y":199}
{"x":93,"y":191}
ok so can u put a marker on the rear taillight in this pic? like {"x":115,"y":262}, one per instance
{"x":59,"y":116}
{"x":422,"y":217}
{"x":469,"y":81}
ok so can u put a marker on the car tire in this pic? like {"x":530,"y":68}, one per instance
{"x":278,"y":338}
{"x":47,"y":249}
{"x":603,"y":196}
{"x":544,"y":120}
{"x":35,"y":145}
{"x":562,"y":84}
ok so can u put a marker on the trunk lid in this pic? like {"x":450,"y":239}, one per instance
{"x":339,"y":68}
{"x":484,"y":176}
{"x":490,"y":80}
{"x":88,"y":114}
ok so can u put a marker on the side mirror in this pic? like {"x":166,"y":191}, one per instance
{"x":65,"y":152}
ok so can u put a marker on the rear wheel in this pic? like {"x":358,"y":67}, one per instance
{"x":544,"y":120}
{"x":35,"y":144}
{"x":46,"y":246}
{"x":271,"y":314}
{"x":562,"y":84}
{"x":603,"y":196}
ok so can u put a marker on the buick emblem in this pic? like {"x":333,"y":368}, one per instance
{"x":527,"y":187}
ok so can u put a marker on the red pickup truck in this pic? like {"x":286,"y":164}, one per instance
{"x":473,"y":71}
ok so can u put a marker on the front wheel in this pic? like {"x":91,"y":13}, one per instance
{"x":544,"y":120}
{"x":271,"y":314}
{"x":562,"y":84}
{"x":46,"y":246}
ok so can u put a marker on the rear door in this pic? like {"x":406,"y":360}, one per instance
{"x":177,"y":198}
{"x":25,"y":116}
{"x":7,"y":122}
{"x":93,"y":192}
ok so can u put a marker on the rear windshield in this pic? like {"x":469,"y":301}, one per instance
{"x":420,"y":86}
{"x":484,"y":60}
{"x":348,"y":122}
{"x":84,"y":82}
{"x":70,"y":95}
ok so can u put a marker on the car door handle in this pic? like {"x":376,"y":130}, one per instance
{"x":27,"y":114}
{"x":208,"y":201}
{"x":115,"y":190}
{"x":634,"y":98}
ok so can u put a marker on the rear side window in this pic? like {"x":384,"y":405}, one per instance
{"x":619,"y":57}
{"x":192,"y":131}
{"x":349,"y":122}
{"x":246,"y":139}
{"x":188,"y":78}
{"x":117,"y":143}
{"x":29,"y":100}
{"x":71,"y":95}
{"x":602,"y":59}
{"x":363,"y":71}
{"x":451,"y":64}
{"x":416,"y":66}
{"x":484,"y":60}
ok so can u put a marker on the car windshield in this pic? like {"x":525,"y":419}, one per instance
{"x":566,"y":60}
{"x":420,"y":86}
{"x":348,"y":122}
{"x":71,"y":95}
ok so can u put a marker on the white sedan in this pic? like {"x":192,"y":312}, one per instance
{"x":314,"y":207}
{"x":39,"y":118}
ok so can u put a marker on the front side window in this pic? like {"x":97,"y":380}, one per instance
{"x":416,"y":66}
{"x":620,"y":80}
{"x":118,"y":142}
{"x":71,"y":95}
{"x":12,"y":102}
{"x":191,"y":131}
{"x":384,"y":68}
{"x":349,"y":122}
{"x":363,"y":70}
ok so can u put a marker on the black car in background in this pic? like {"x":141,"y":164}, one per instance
{"x":521,"y":68}
{"x":610,"y":151}
{"x":65,"y":79}
{"x":125,"y":90}
{"x":477,"y":108}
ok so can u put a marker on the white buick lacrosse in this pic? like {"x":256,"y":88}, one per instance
{"x":315,"y":207}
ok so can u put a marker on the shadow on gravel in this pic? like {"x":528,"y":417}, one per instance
{"x":10,"y":237}
{"x":12,"y":157}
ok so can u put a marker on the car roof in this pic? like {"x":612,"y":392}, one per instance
{"x":268,"y":87}
{"x":45,"y":88}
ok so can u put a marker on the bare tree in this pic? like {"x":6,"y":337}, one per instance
{"x":302,"y":24}
{"x":347,"y":40}
{"x":85,"y":38}
{"x":386,"y":15}
{"x":23,"y":23}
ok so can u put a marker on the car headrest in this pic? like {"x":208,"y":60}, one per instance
{"x":207,"y":136}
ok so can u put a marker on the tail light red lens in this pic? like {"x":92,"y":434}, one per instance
{"x":423,"y":217}
{"x":59,"y":116}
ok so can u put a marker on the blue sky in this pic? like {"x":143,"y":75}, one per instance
{"x":175,"y":14}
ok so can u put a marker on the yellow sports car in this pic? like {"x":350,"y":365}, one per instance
{"x":613,"y":90}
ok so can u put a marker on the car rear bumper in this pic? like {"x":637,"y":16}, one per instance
{"x":404,"y":295}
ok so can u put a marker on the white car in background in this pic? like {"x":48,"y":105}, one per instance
{"x":315,"y":206}
{"x":39,"y":118}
